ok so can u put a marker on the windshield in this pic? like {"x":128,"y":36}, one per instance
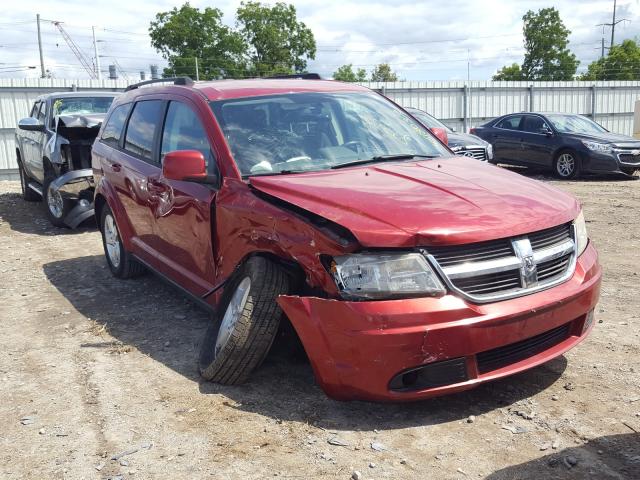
{"x":574,"y":124}
{"x":80,"y":105}
{"x":315,"y":131}
{"x":427,"y":120}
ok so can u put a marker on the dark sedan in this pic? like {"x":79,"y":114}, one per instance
{"x":566,"y":143}
{"x":463,"y":144}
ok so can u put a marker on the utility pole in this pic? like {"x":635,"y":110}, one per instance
{"x":197,"y":73}
{"x":613,"y":24}
{"x":602,"y":49}
{"x":42,"y":72}
{"x":95,"y":52}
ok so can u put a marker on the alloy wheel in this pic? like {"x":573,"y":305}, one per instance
{"x":55,"y":202}
{"x":233,"y":313}
{"x":565,"y":165}
{"x":112,"y":241}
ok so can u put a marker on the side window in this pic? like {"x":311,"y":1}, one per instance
{"x":115,"y":125}
{"x":34,"y":110}
{"x":534,"y":124}
{"x":184,"y":131}
{"x":141,"y":128}
{"x":510,"y":123}
{"x":42,"y":113}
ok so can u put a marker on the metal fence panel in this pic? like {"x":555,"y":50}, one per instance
{"x":460,"y":104}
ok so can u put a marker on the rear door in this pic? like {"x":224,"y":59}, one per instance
{"x":129,"y":169}
{"x":537,"y":146}
{"x":505,"y":138}
{"x":182,"y":211}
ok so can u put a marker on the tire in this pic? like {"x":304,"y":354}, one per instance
{"x":566,"y":165}
{"x":56,"y":206}
{"x":28,"y":194}
{"x":240,"y":336}
{"x":121,"y":263}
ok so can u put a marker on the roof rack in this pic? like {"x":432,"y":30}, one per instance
{"x":303,"y":76}
{"x":174,"y":80}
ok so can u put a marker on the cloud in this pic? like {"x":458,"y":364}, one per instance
{"x":421,"y":40}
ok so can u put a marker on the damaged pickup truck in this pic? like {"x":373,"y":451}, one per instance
{"x":53,"y":149}
{"x":405,"y":270}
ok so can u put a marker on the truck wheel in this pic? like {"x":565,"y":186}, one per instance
{"x":239,"y":338}
{"x":121,"y":263}
{"x":56,"y":206}
{"x":567,"y":165}
{"x":28,"y":194}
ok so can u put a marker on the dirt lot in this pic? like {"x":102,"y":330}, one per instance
{"x":98,"y":380}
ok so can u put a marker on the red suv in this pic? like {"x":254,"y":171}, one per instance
{"x":406,"y":271}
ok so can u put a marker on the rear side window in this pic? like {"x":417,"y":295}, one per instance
{"x":184,"y":131}
{"x":115,"y":125}
{"x":141,"y":128}
{"x":510,"y":123}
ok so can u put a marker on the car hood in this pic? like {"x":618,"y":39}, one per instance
{"x":464,"y":140}
{"x":438,"y":202}
{"x":608,"y":137}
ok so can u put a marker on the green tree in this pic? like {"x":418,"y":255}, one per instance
{"x":545,"y":41}
{"x":183,"y":34}
{"x":547,"y":56}
{"x":383,"y":73}
{"x":278,"y":42}
{"x":621,"y":63}
{"x":509,"y":72}
{"x":346,"y":74}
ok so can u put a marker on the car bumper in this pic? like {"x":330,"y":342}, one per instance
{"x":617,"y":162}
{"x":357,"y":348}
{"x":76,"y":185}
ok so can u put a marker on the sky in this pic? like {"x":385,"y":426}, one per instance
{"x":428,"y":40}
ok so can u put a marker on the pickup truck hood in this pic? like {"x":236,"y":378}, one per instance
{"x":436,"y":202}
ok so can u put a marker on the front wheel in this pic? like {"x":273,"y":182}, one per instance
{"x":56,"y":206}
{"x":567,"y":165}
{"x":241,"y":335}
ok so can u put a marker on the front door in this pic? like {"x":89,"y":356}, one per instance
{"x":536,"y":143}
{"x":182,"y":211}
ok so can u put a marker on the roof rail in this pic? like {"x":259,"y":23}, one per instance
{"x":303,"y":76}
{"x":174,"y":80}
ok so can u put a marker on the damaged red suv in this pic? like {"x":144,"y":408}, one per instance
{"x":406,"y":271}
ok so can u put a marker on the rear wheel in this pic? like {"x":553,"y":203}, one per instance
{"x":242,"y":332}
{"x":56,"y":206}
{"x":567,"y":165}
{"x":28,"y":194}
{"x":121,"y":263}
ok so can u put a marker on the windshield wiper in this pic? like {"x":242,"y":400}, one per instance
{"x":279,"y":172}
{"x":382,"y":158}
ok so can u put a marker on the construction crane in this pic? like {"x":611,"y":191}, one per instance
{"x":76,"y":51}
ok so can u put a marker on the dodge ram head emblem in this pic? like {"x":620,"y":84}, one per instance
{"x":528,"y":266}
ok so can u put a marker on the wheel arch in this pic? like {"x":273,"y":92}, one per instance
{"x":105,"y":196}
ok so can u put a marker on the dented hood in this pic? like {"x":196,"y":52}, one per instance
{"x":434,"y":202}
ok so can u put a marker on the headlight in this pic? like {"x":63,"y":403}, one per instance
{"x":597,"y":147}
{"x":385,"y":276}
{"x":581,"y":233}
{"x":490,"y":152}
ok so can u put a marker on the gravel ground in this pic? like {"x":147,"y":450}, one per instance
{"x":98,"y":380}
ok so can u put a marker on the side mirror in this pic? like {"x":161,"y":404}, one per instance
{"x":546,"y":131}
{"x":453,"y":129}
{"x":441,"y":133}
{"x":186,"y":165}
{"x":31,"y":124}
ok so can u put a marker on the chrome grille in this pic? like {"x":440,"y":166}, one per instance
{"x":629,"y":158}
{"x":507,"y":268}
{"x":479,"y":153}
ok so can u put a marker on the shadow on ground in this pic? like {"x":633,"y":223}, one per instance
{"x":608,"y":457}
{"x":31,"y":218}
{"x":160,"y":322}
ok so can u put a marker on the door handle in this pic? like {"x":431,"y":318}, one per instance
{"x":116,"y":167}
{"x":156,"y":187}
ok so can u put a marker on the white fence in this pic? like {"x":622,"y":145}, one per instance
{"x":460,"y":104}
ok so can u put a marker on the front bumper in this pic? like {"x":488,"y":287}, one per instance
{"x":357,"y":348}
